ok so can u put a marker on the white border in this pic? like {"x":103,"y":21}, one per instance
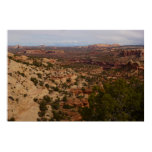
{"x":69,"y":14}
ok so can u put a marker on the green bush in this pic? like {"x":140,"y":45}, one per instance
{"x":64,"y":98}
{"x":41,"y":113}
{"x":41,"y":83}
{"x":49,"y":65}
{"x":58,"y":115}
{"x":120,"y":101}
{"x":66,"y":106}
{"x":39,"y":75}
{"x":34,"y":80}
{"x":64,"y":85}
{"x":46,"y":98}
{"x":10,"y":97}
{"x":76,"y":83}
{"x":36,"y":63}
{"x":10,"y":74}
{"x":47,"y":86}
{"x":35,"y":99}
{"x":82,"y":77}
{"x":80,"y":97}
{"x":22,"y":74}
{"x":55,"y":105}
{"x":25,"y":95}
{"x":11,"y":119}
{"x":42,"y":107}
{"x":68,"y":80}
{"x":55,"y":88}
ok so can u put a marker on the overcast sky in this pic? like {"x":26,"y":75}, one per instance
{"x":75,"y":37}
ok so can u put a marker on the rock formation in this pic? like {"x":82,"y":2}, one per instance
{"x":136,"y":52}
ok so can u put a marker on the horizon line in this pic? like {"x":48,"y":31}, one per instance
{"x":59,"y":45}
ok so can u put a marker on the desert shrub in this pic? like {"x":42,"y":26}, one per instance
{"x":11,"y":119}
{"x":76,"y":83}
{"x":34,"y":80}
{"x":10,"y":74}
{"x":104,"y":72}
{"x":10,"y":57}
{"x":22,"y":74}
{"x":10,"y":97}
{"x":66,"y":106}
{"x":83,"y":89}
{"x":55,"y":105}
{"x":47,"y":86}
{"x":41,"y":83}
{"x":120,"y":101}
{"x":64,"y":92}
{"x":55,"y":88}
{"x":80,"y":96}
{"x":52,"y":80}
{"x":57,"y":99}
{"x":35,"y":99}
{"x":36,"y":63}
{"x":49,"y":64}
{"x":64,"y":85}
{"x":89,"y":80}
{"x":46,"y":98}
{"x":38,"y":119}
{"x":26,"y":63}
{"x":58,"y":115}
{"x":64,"y":98}
{"x":84,"y":84}
{"x":82,"y":77}
{"x":43,"y":107}
{"x":43,"y":119}
{"x":17,"y":61}
{"x":39,"y":75}
{"x":41,"y":113}
{"x":68,"y":80}
{"x":25,"y":95}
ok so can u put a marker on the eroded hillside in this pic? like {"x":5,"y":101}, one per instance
{"x":41,"y":89}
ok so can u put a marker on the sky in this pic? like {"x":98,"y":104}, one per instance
{"x":75,"y":37}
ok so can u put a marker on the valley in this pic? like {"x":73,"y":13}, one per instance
{"x":57,"y":83}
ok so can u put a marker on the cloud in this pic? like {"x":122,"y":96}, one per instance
{"x":75,"y":37}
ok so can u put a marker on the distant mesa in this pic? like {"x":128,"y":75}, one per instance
{"x":44,"y":52}
{"x":35,"y":52}
{"x":103,"y":45}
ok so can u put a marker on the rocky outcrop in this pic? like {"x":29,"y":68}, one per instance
{"x":132,"y":65}
{"x":35,"y":52}
{"x":136,"y":52}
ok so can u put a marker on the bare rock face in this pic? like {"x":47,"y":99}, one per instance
{"x":136,"y":52}
{"x":21,"y":90}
